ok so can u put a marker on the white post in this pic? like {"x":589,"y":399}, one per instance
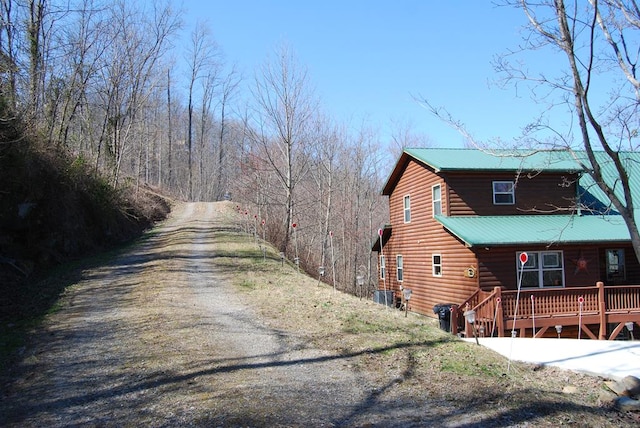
{"x":580,"y":302}
{"x":333,"y":262}
{"x":295,"y":240}
{"x":495,"y":315}
{"x":533,"y":315}
{"x":384,"y":277}
{"x":524,"y":257}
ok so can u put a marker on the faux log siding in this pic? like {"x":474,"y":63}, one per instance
{"x":472,"y":194}
{"x":632,"y":265}
{"x":498,"y":266}
{"x":418,"y":240}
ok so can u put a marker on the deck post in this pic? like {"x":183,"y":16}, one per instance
{"x":602,"y":309}
{"x":497,"y":291}
{"x":453,"y":320}
{"x":468,"y":328}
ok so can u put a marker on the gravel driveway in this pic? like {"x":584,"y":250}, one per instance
{"x":159,"y":338}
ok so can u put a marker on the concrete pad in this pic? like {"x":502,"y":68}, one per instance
{"x":609,"y":359}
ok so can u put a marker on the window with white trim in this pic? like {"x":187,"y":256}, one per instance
{"x":436,"y":199}
{"x":615,"y":265}
{"x":542,"y":269}
{"x":407,"y":209}
{"x":436,"y":263}
{"x":383,"y":267}
{"x":399,"y":268}
{"x":504,"y":193}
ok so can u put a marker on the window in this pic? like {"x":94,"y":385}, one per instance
{"x":504,"y":193}
{"x":615,"y":265}
{"x":399,"y":267}
{"x":436,"y":199}
{"x":382,"y":267}
{"x":407,"y":209}
{"x":542,"y":269}
{"x":436,"y":262}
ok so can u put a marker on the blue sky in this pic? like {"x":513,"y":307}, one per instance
{"x":368,"y":59}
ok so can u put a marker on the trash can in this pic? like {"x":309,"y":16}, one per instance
{"x":443,"y":310}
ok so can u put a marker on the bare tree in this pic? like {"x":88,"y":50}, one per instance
{"x":229,"y":89}
{"x":595,"y":80}
{"x":600,"y":42}
{"x":81,"y":46}
{"x":35,"y":38}
{"x":9,"y":50}
{"x":209,"y":83}
{"x":140,"y":39}
{"x":285,"y":107}
{"x":203,"y":64}
{"x":318,"y":191}
{"x":403,"y":135}
{"x":169,"y":133}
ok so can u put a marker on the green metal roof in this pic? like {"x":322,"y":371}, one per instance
{"x":442,"y":160}
{"x":497,"y":160}
{"x":631,"y":164}
{"x":536,"y":229}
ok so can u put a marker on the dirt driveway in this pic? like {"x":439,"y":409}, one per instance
{"x":160,"y":338}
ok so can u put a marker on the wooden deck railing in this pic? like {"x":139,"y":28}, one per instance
{"x":591,"y":309}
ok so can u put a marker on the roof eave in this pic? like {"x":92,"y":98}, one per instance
{"x":545,"y":243}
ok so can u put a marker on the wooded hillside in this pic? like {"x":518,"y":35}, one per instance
{"x":121,"y":91}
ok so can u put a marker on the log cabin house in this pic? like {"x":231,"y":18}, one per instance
{"x":462,"y":219}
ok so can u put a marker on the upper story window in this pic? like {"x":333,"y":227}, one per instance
{"x":615,"y":265}
{"x":542,"y":269}
{"x":407,"y":209}
{"x":399,"y":267}
{"x":504,"y":193}
{"x":436,"y":199}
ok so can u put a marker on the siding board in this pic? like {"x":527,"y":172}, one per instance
{"x":472,"y":193}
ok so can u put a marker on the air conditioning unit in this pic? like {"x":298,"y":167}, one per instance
{"x":383,"y":297}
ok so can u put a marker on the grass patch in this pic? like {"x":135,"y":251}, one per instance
{"x":353,"y":324}
{"x":247,"y":284}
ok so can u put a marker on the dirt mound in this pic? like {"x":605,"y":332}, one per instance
{"x":54,"y":208}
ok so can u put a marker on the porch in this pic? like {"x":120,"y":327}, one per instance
{"x":599,"y":312}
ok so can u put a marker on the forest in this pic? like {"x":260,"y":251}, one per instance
{"x":124,"y":89}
